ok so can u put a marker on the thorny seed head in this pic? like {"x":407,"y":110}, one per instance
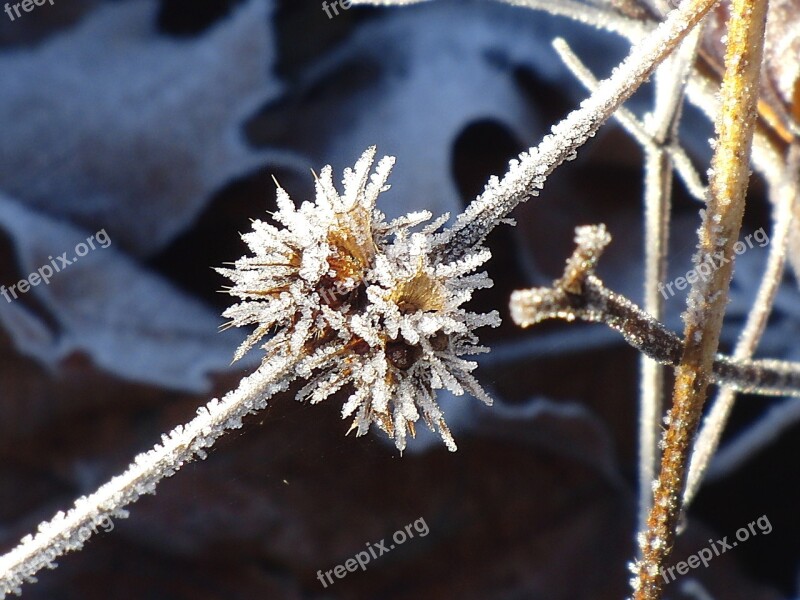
{"x":362,"y":304}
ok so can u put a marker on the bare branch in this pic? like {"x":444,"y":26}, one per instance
{"x":681,"y":161}
{"x":68,"y":532}
{"x":670,"y":84}
{"x":580,"y":295}
{"x":527,"y":175}
{"x":730,"y":172}
{"x":600,"y":17}
{"x":659,"y":144}
{"x":786,"y":197}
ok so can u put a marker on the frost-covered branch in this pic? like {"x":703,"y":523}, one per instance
{"x":659,"y":143}
{"x":701,"y":91}
{"x":68,"y":531}
{"x":580,"y":295}
{"x":681,"y":162}
{"x":787,"y":196}
{"x":354,"y":302}
{"x":527,"y":174}
{"x":589,"y":14}
{"x":722,"y":220}
{"x":670,"y":85}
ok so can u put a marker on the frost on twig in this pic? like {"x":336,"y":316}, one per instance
{"x":69,"y":531}
{"x":637,"y":130}
{"x":662,"y":154}
{"x":629,"y":21}
{"x":594,"y":14}
{"x":527,"y":174}
{"x":663,"y":129}
{"x":580,"y":295}
{"x":701,"y":90}
{"x":786,"y":197}
{"x":721,"y":222}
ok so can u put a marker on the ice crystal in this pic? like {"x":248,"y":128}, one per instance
{"x":372,"y":301}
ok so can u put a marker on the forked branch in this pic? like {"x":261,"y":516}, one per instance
{"x":580,"y":295}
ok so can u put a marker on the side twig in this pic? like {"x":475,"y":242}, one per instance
{"x":580,"y":295}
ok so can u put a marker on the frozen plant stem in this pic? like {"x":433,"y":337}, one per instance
{"x":67,"y":532}
{"x":702,"y":89}
{"x":785,"y":198}
{"x":659,"y":142}
{"x":670,"y":81}
{"x":657,"y":194}
{"x":638,"y":131}
{"x":600,"y":17}
{"x":722,"y":219}
{"x":527,"y":175}
{"x":580,"y":295}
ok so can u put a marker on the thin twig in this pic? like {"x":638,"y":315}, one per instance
{"x":702,"y":89}
{"x":580,"y":295}
{"x":68,"y":532}
{"x":670,"y":83}
{"x":786,"y":198}
{"x":596,"y":16}
{"x":630,"y":27}
{"x":680,"y":160}
{"x":659,"y":142}
{"x":730,"y":172}
{"x":657,"y":205}
{"x":527,"y":174}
